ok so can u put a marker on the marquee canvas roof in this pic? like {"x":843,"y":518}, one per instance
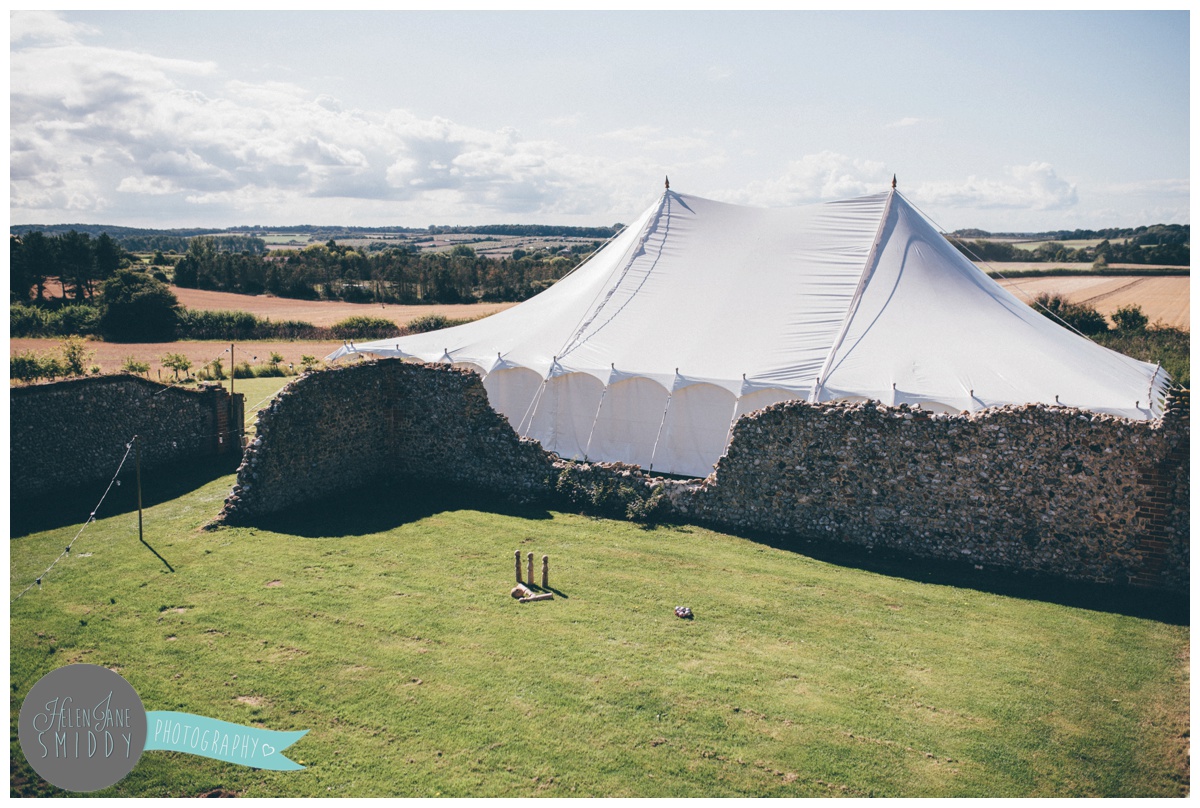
{"x":700,"y":311}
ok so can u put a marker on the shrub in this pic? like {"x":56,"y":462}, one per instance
{"x":71,"y":320}
{"x":1083,"y":318}
{"x":1158,"y":344}
{"x":360,"y":327}
{"x":430,"y":322}
{"x":135,"y":366}
{"x":27,"y":321}
{"x":242,"y":370}
{"x":242,"y":325}
{"x":76,"y":356}
{"x":137,"y":308}
{"x":308,"y":362}
{"x":223,"y":325}
{"x":269,"y":369}
{"x":25,"y":366}
{"x":1129,"y":319}
{"x":610,"y":490}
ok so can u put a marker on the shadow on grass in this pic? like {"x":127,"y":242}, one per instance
{"x":382,"y":507}
{"x":73,"y":506}
{"x":1130,"y":601}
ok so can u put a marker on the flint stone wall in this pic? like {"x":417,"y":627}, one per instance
{"x":1041,"y":489}
{"x":1047,"y":490}
{"x":73,"y":433}
{"x":389,"y":420}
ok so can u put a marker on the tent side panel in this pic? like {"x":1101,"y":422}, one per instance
{"x":695,"y":431}
{"x":629,"y":422}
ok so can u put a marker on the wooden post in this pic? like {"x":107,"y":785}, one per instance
{"x":137,"y":443}
{"x":137,"y":459}
{"x":530,"y":568}
{"x":545,"y":572}
{"x":518,"y":566}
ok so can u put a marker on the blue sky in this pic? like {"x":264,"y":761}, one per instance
{"x":1005,"y":120}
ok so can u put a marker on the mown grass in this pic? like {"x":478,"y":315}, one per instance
{"x":382,"y":623}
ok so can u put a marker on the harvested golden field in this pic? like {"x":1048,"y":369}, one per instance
{"x":325,"y":312}
{"x":1163,"y":299}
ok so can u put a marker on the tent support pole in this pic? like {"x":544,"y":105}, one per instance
{"x":654,"y":451}
{"x":595,"y":419}
{"x":531,"y":410}
{"x":732,"y":421}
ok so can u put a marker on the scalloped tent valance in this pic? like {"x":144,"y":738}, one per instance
{"x":701,"y":311}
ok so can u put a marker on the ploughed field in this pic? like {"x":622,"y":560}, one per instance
{"x":381,"y":622}
{"x":110,"y":356}
{"x":326,"y":312}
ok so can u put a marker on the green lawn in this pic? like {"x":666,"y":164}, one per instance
{"x":382,"y":624}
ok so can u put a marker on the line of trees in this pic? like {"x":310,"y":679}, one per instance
{"x":1105,"y":252}
{"x":335,"y":271}
{"x":75,"y":260}
{"x":1168,"y":244}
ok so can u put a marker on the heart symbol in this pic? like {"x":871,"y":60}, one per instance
{"x":267,"y":749}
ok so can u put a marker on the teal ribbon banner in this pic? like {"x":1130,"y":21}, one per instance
{"x":220,"y":740}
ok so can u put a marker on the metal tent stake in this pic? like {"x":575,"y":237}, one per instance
{"x":137,"y":445}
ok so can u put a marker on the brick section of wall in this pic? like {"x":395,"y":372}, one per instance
{"x":1050,"y":490}
{"x":1163,"y":504}
{"x":72,"y":433}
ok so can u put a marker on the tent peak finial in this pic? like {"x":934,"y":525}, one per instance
{"x":667,"y":182}
{"x":893,"y":182}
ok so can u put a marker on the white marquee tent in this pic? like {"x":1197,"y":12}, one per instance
{"x":701,"y":311}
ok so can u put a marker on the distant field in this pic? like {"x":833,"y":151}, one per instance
{"x":487,"y":245}
{"x":1162,"y":299}
{"x":1003,"y":267}
{"x":325,"y":312}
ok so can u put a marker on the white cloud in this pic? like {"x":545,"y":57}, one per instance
{"x":87,"y":123}
{"x":1030,"y":187}
{"x":815,"y":177}
{"x":26,"y":27}
{"x":903,"y":122}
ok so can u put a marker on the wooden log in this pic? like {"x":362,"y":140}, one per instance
{"x":518,"y":566}
{"x":521,"y":591}
{"x":543,"y":596}
{"x":545,"y":572}
{"x":529,"y":578}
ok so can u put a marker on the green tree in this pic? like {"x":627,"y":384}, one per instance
{"x":177,"y":362}
{"x":77,"y":270}
{"x":135,"y":307}
{"x":107,"y":257}
{"x":40,"y":260}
